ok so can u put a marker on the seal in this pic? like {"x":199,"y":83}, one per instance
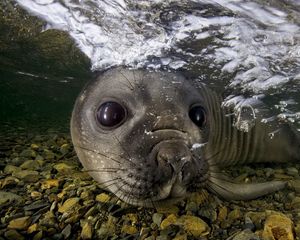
{"x":153,"y":137}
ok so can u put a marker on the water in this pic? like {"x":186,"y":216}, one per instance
{"x":246,"y":50}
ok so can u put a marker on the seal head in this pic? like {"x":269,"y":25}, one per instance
{"x":153,"y":137}
{"x":134,"y":131}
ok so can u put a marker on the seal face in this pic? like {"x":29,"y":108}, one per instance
{"x":150,"y":137}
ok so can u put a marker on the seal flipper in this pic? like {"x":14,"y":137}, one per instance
{"x":242,"y":191}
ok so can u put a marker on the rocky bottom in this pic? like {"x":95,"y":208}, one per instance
{"x":45,"y":194}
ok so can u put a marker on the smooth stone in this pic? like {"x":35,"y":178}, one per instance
{"x":38,"y":236}
{"x":63,"y":168}
{"x":9,"y":169}
{"x":87,"y":231}
{"x":33,"y":228}
{"x":234,"y":215}
{"x":157,"y":218}
{"x":9,"y":181}
{"x":129,"y":229}
{"x":27,"y":175}
{"x":28,"y":153}
{"x":296,"y":203}
{"x":65,"y":148}
{"x":222,"y":215}
{"x":13,"y":235}
{"x":35,"y":194}
{"x":67,"y":231}
{"x":249,"y":224}
{"x":182,"y":236}
{"x":50,"y":183}
{"x":191,"y":206}
{"x":295,"y":183}
{"x":34,"y":146}
{"x":162,"y":237}
{"x":246,"y":234}
{"x":169,"y":220}
{"x":36,"y":205}
{"x":70,"y":204}
{"x":9,"y":197}
{"x":278,"y":226}
{"x":103,"y":198}
{"x":21,"y":223}
{"x":257,"y":218}
{"x":292,"y":171}
{"x":49,"y":155}
{"x":107,"y":228}
{"x":30,"y":165}
{"x":194,"y":226}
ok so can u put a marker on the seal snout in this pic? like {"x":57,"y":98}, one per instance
{"x":174,"y":164}
{"x":173,"y":155}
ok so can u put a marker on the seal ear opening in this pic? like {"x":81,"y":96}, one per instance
{"x":229,"y":190}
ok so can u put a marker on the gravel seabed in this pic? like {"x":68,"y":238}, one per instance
{"x":45,"y":194}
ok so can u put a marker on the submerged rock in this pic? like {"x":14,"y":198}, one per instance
{"x":278,"y":227}
{"x":20,"y":223}
{"x":8,"y":197}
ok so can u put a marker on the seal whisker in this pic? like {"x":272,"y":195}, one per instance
{"x":104,"y":155}
{"x":128,"y":155}
{"x":131,"y":87}
{"x":99,"y":153}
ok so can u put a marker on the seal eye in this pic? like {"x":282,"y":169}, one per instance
{"x":110,"y":114}
{"x":198,"y":115}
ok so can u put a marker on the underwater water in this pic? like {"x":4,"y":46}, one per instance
{"x":243,"y":49}
{"x":247,"y":51}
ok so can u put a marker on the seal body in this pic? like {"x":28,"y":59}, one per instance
{"x":152,"y":137}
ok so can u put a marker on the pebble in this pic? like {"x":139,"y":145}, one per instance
{"x":13,"y":235}
{"x":28,"y":153}
{"x":63,"y":167}
{"x":50,"y":183}
{"x":70,"y":204}
{"x":295,"y":183}
{"x":246,"y":234}
{"x":296,"y":203}
{"x":65,"y":148}
{"x":107,"y":228}
{"x":157,"y":218}
{"x":194,"y":226}
{"x":27,"y":175}
{"x":169,"y":220}
{"x":8,"y":197}
{"x":249,"y":224}
{"x":278,"y":227}
{"x":9,"y":182}
{"x":129,"y":229}
{"x":234,"y":215}
{"x":66,"y":232}
{"x":38,"y":236}
{"x":223,"y":212}
{"x":20,"y":223}
{"x":87,"y":231}
{"x":31,"y":165}
{"x":9,"y":169}
{"x":35,"y":194}
{"x":292,"y":171}
{"x":33,"y":228}
{"x":103,"y":197}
